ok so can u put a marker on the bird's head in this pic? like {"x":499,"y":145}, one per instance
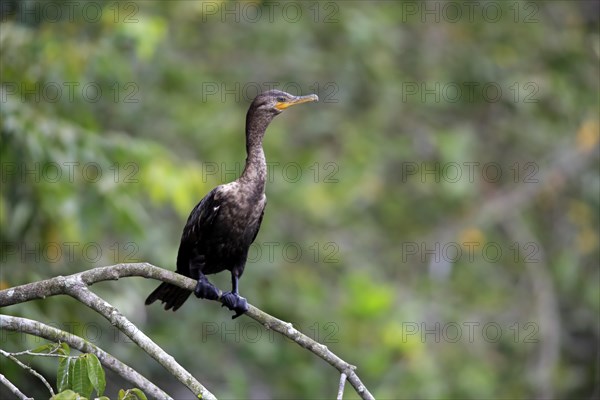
{"x":275,"y":101}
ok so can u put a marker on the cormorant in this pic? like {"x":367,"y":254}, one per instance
{"x":223,"y":225}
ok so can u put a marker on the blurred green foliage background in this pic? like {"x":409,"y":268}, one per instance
{"x":433,"y":220}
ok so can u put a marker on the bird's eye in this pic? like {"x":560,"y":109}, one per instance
{"x":280,"y":99}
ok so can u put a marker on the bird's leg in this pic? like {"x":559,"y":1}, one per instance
{"x":233,"y":300}
{"x":206,"y":290}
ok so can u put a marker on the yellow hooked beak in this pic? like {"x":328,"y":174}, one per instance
{"x":282,"y":105}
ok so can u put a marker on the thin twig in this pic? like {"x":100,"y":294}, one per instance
{"x":31,"y":327}
{"x":73,"y":284}
{"x":13,"y":389}
{"x":340,"y":395}
{"x":31,"y":353}
{"x":28,"y":369}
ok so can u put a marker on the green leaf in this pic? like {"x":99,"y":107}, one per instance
{"x":96,"y":373}
{"x":132,"y":394}
{"x":62,"y":375}
{"x":138,"y":393}
{"x":66,"y":395}
{"x":63,"y":349}
{"x":81,"y":380}
{"x":71,"y":373}
{"x":45,"y":348}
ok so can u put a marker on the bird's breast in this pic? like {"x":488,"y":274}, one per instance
{"x":242,"y":211}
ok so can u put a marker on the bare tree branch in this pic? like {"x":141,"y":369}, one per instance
{"x":13,"y":389}
{"x":29,"y":326}
{"x":84,"y":295}
{"x":76,"y":286}
{"x":340,"y":395}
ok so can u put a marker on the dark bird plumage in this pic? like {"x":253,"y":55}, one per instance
{"x":221,"y":228}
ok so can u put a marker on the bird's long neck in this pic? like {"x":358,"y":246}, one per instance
{"x":255,"y":172}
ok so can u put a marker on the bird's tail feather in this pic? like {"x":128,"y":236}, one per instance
{"x":172,"y":296}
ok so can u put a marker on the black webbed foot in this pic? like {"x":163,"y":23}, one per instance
{"x":206,"y":290}
{"x":234,"y":302}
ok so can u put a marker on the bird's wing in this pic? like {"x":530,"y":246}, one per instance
{"x":197,"y":227}
{"x":262,"y":213}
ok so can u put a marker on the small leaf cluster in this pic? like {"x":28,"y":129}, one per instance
{"x":79,"y":376}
